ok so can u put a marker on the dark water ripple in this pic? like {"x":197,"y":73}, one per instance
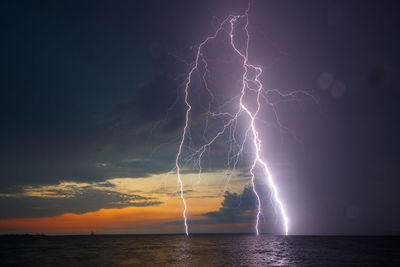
{"x":198,"y":250}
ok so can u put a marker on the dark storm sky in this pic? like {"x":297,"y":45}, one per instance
{"x":85,"y":83}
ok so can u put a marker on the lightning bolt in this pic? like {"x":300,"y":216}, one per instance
{"x":250,"y":83}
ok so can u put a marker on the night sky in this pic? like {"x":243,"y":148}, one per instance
{"x":92,"y":111}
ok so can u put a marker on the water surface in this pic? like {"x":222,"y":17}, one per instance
{"x":199,"y":250}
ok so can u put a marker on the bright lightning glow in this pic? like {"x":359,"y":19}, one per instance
{"x":242,"y":108}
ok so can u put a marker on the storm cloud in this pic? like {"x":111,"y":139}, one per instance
{"x":69,"y":199}
{"x":235,"y":208}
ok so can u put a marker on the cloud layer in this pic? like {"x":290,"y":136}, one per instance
{"x":70,"y":198}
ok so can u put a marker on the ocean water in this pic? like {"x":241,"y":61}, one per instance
{"x":198,"y":250}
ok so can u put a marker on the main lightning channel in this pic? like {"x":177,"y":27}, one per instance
{"x":242,"y":109}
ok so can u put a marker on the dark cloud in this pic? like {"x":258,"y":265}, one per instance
{"x":71,"y":199}
{"x":242,"y":207}
{"x":185,"y":192}
{"x":152,"y":103}
{"x":235,"y":208}
{"x":106,"y":184}
{"x":126,"y":141}
{"x":56,"y":84}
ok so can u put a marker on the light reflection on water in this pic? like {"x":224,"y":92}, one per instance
{"x":199,"y":250}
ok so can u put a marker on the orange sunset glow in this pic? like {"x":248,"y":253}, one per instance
{"x":139,"y":219}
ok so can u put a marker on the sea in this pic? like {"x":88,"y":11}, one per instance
{"x":198,"y":250}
